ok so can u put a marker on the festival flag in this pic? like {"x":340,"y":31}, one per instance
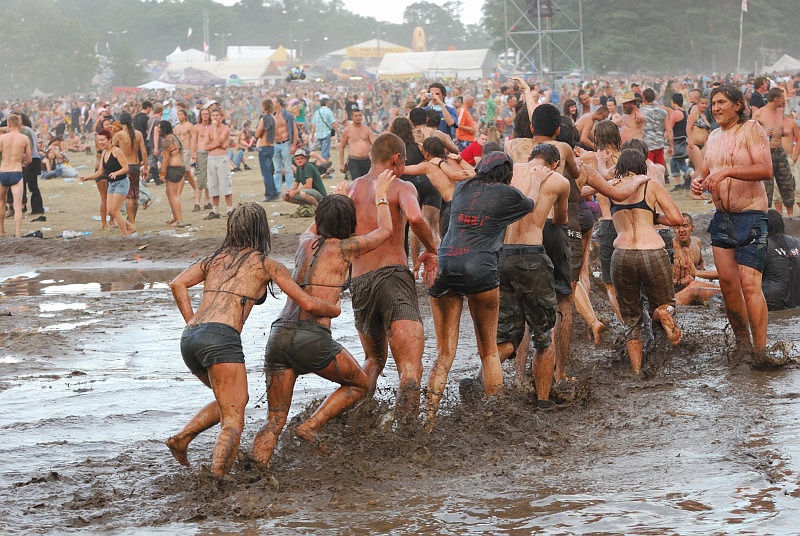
{"x":189,"y":32}
{"x":744,"y":6}
{"x":205,"y":47}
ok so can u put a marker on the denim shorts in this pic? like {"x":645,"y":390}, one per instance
{"x":746,"y":232}
{"x":119,"y":187}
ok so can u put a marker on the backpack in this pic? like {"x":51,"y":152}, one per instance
{"x":793,"y":253}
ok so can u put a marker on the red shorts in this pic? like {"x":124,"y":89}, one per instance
{"x":656,"y":156}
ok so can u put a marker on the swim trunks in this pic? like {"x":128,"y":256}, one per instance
{"x":606,"y":234}
{"x":10,"y":178}
{"x":207,"y":344}
{"x":383,"y":296}
{"x":638,"y":271}
{"x":782,"y":176}
{"x":303,"y":345}
{"x":554,"y":239}
{"x":527,"y":294}
{"x":746,"y":232}
{"x":133,"y":175}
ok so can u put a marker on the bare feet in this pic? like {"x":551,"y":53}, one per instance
{"x":664,"y":315}
{"x":171,"y":221}
{"x":597,"y":332}
{"x":312,"y":439}
{"x":178,"y":450}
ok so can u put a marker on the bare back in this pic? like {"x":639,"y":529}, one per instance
{"x":15,"y":148}
{"x":549,"y":191}
{"x":132,"y":149}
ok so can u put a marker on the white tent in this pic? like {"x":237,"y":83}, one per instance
{"x":785,"y":63}
{"x":157,"y":84}
{"x":244,"y":53}
{"x":475,"y":63}
{"x":372,"y":48}
{"x":249,"y":72}
{"x":188,"y":56}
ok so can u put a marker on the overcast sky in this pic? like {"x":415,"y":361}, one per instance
{"x":392,"y":11}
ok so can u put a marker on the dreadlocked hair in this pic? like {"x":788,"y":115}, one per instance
{"x":336,"y":217}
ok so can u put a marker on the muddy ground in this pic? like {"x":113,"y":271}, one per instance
{"x":92,"y":382}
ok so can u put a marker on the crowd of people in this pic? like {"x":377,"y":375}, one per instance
{"x":499,"y":191}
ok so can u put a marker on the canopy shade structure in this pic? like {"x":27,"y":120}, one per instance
{"x":447,"y":64}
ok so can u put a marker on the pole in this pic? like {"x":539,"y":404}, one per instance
{"x":206,"y":37}
{"x":739,"y":55}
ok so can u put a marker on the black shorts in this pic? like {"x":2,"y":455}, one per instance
{"x":208,"y":344}
{"x":527,"y":295}
{"x":174,"y":173}
{"x":358,"y":167}
{"x":383,"y":296}
{"x":606,"y":234}
{"x":427,"y":194}
{"x":555,"y":243}
{"x":303,"y":345}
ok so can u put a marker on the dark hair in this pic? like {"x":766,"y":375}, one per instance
{"x":775,"y":225}
{"x":418,"y":116}
{"x":147,"y":104}
{"x":568,"y":133}
{"x":434,"y":118}
{"x":733,"y":94}
{"x":126,"y":119}
{"x":631,"y":161}
{"x":336,"y":217}
{"x":606,"y":135}
{"x":323,"y":101}
{"x":490,"y":147}
{"x":545,"y":120}
{"x":164,"y":128}
{"x":403,"y":128}
{"x":434,"y":147}
{"x":649,"y":95}
{"x":440,"y":87}
{"x":677,"y":98}
{"x":498,"y":174}
{"x":635,"y":144}
{"x":773,"y":94}
{"x":105,"y":133}
{"x":567,"y":105}
{"x":547,"y":152}
{"x":688,"y":217}
{"x":522,"y":123}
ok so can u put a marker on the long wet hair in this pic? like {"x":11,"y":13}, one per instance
{"x":775,"y":227}
{"x":568,"y":133}
{"x":247,"y":234}
{"x":733,"y":94}
{"x":522,"y":123}
{"x":403,"y":129}
{"x":164,"y":128}
{"x":126,"y":120}
{"x":635,"y":144}
{"x":606,"y":135}
{"x":631,"y":161}
{"x":435,"y":147}
{"x":336,"y":217}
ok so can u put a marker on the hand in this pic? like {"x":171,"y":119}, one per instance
{"x":431,"y":263}
{"x":698,"y":186}
{"x":341,"y":168}
{"x":578,"y":151}
{"x":638,"y":180}
{"x":384,"y":181}
{"x":341,"y":188}
{"x":670,"y":151}
{"x":713,"y":179}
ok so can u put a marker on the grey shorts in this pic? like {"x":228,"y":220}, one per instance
{"x":208,"y":344}
{"x":383,"y":296}
{"x":606,"y":234}
{"x":302,"y":345}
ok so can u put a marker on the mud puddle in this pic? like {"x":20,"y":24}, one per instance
{"x":691,"y":447}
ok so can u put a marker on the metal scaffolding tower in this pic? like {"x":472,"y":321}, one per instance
{"x":545,"y":35}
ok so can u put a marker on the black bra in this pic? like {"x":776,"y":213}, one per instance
{"x":615,"y":207}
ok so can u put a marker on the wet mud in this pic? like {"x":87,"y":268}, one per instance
{"x":92,"y":383}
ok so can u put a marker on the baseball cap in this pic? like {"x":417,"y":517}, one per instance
{"x":301,"y":152}
{"x":492,"y":160}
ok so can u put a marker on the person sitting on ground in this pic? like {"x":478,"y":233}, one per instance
{"x":300,"y":342}
{"x":307,"y":188}
{"x":235,"y":278}
{"x":688,"y":264}
{"x":780,"y":273}
{"x":55,"y":165}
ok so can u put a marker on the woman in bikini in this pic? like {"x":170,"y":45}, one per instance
{"x":112,"y":181}
{"x":697,"y":131}
{"x":300,"y":342}
{"x":640,"y":263}
{"x":235,"y":278}
{"x":173,"y":171}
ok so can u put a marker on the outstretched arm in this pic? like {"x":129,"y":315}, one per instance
{"x":309,"y":304}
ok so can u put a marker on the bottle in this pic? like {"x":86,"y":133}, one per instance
{"x":66,"y":235}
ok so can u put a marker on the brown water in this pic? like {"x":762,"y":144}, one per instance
{"x":92,"y":382}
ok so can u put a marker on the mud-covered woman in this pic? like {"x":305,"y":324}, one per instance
{"x":235,"y":278}
{"x":300,"y":342}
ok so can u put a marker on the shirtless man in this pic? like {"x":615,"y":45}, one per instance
{"x":15,"y":150}
{"x":688,"y":265}
{"x":632,"y":121}
{"x":771,"y":118}
{"x":790,"y":138}
{"x":184,"y":131}
{"x":527,"y":288}
{"x":357,"y":138}
{"x":384,"y":295}
{"x":286,"y":141}
{"x":200,"y":153}
{"x":737,"y":160}
{"x":219,"y":173}
{"x":131,"y":142}
{"x":585,"y":125}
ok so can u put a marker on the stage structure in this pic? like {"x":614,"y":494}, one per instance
{"x":546,"y":36}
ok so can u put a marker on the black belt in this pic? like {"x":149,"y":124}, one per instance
{"x":513,"y":249}
{"x":284,"y":141}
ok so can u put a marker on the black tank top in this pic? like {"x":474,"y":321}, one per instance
{"x":679,"y":128}
{"x":110,"y":166}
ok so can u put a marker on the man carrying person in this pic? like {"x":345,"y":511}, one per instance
{"x":384,"y":295}
{"x":15,"y":150}
{"x":357,"y":138}
{"x":770,"y":117}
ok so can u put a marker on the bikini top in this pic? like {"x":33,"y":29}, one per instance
{"x":242,"y":298}
{"x":630,"y":206}
{"x":702,"y":122}
{"x":317,"y":247}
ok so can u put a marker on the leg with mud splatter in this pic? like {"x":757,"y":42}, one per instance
{"x":280,"y":387}
{"x":345,"y":371}
{"x":407,"y":342}
{"x":205,"y":419}
{"x":562,"y":334}
{"x":446,"y":312}
{"x":734,"y":299}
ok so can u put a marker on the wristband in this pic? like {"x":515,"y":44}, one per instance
{"x":381,"y":201}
